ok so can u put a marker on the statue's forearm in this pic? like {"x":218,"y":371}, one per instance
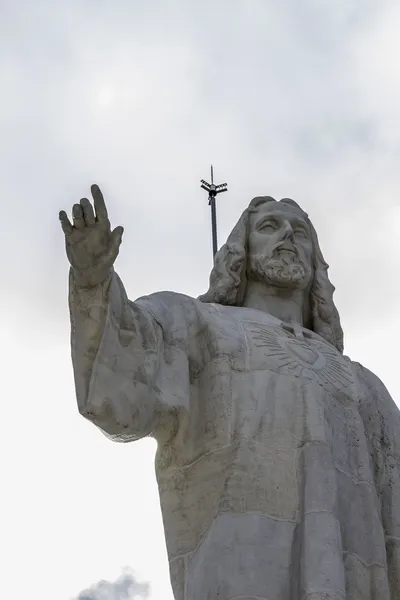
{"x":88,"y":306}
{"x":88,"y":309}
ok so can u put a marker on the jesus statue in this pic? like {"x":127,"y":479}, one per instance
{"x":278,"y":458}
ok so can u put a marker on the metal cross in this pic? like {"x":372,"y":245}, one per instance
{"x":213,"y":190}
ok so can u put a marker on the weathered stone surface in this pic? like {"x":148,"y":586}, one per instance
{"x":278,"y":458}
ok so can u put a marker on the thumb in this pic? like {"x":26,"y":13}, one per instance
{"x":116,"y":237}
{"x":115,"y":242}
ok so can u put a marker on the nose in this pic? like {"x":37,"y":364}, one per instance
{"x":287,"y":231}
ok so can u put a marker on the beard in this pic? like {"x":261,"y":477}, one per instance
{"x":282,"y":269}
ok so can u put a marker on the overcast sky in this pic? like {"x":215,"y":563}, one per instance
{"x":297,"y":98}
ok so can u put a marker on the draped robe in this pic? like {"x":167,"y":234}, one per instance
{"x":278,"y":459}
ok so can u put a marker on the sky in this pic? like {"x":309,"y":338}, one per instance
{"x":289,"y":98}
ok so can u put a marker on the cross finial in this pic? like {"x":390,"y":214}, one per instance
{"x":213,"y":190}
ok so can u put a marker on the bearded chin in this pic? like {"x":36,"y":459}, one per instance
{"x":279,"y":272}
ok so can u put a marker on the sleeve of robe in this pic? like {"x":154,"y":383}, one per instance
{"x":381,"y":419}
{"x":130,"y":360}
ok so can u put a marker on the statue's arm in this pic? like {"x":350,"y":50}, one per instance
{"x":88,"y":307}
{"x":130,"y":359}
{"x":122,"y":382}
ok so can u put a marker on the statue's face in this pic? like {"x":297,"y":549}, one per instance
{"x":280,"y":248}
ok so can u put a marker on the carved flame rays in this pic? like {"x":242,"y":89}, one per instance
{"x":303,"y":357}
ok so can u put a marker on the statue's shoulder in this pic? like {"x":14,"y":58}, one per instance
{"x":367,"y":379}
{"x":172,"y":307}
{"x":373,"y":392}
{"x":381,"y":415}
{"x":171,"y":300}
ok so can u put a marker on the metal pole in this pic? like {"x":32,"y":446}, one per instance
{"x":213,"y":224}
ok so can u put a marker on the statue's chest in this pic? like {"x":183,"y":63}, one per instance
{"x":286,"y":350}
{"x":297,"y":353}
{"x":273,"y":384}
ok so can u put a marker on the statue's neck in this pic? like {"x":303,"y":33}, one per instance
{"x":285,"y":304}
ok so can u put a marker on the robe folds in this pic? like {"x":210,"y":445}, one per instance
{"x":278,"y":459}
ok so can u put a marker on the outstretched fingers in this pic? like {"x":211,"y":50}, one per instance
{"x":84,"y":215}
{"x":66,"y":224}
{"x":99,"y":204}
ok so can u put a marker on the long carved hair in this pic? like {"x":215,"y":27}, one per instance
{"x":228,"y":278}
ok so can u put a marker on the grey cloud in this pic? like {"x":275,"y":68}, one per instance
{"x":126,"y":587}
{"x":278,"y":95}
{"x":286,"y":98}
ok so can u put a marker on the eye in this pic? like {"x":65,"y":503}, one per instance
{"x":300,"y":232}
{"x":268,"y":226}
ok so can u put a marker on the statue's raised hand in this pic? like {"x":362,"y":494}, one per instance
{"x":91,"y":245}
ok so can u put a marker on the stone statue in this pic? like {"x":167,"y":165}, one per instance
{"x":278,"y":458}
